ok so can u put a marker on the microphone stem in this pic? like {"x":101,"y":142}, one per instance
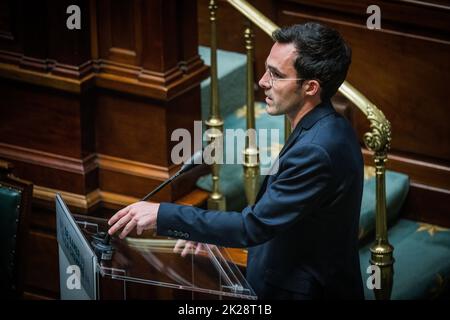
{"x":162,"y":185}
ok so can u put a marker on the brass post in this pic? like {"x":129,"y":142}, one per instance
{"x":379,"y":140}
{"x":216,"y":200}
{"x":381,"y":250}
{"x":251,"y":153}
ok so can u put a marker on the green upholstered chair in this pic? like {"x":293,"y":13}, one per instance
{"x":15,"y":205}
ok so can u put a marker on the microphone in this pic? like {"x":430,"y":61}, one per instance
{"x":106,"y":239}
{"x":102,"y":246}
{"x":101,"y":242}
{"x":189,"y":164}
{"x":192,"y":162}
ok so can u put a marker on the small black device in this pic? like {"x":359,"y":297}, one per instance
{"x":101,"y":242}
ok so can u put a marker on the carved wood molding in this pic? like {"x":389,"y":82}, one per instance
{"x":156,"y":90}
{"x":135,"y":168}
{"x":50,"y":160}
{"x":14,"y":72}
{"x":124,"y":78}
{"x":87,"y":164}
{"x":109,"y":199}
{"x":72,"y":199}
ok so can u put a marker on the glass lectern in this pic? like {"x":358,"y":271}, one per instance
{"x":145,"y":267}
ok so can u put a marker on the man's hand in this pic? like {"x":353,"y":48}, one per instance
{"x":140,"y":215}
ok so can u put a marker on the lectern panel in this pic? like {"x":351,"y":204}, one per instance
{"x":151,"y":261}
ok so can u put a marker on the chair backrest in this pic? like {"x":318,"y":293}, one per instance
{"x":15,"y":206}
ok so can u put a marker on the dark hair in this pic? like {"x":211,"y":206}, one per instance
{"x":322,"y":54}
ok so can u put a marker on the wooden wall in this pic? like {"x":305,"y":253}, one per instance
{"x":89,"y":113}
{"x":402,"y":68}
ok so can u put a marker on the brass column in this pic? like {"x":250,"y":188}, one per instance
{"x":251,"y":153}
{"x":379,"y":140}
{"x":214,"y":124}
{"x":381,"y":250}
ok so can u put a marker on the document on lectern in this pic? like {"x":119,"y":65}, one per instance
{"x":149,"y":261}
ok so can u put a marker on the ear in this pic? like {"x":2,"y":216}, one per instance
{"x":312,"y":87}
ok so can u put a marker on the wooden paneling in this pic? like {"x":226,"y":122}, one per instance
{"x":49,"y":134}
{"x":11,"y":27}
{"x":160,"y":36}
{"x":132,"y":128}
{"x":133,"y":186}
{"x":35,"y":29}
{"x":88,"y":113}
{"x":186,"y":14}
{"x":120,"y":29}
{"x":63,"y":180}
{"x":55,"y":136}
{"x":131,"y":46}
{"x":146,"y":34}
{"x":140,"y":130}
{"x":181,"y":114}
{"x":72,"y":57}
{"x":6,"y":20}
{"x":427,"y":204}
{"x":52,"y":119}
{"x":413,"y":18}
{"x":42,"y":272}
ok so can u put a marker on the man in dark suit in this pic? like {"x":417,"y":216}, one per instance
{"x":302,"y":232}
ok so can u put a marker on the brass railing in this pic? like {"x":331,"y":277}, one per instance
{"x":251,"y":159}
{"x":376,"y":140}
{"x":216,"y":200}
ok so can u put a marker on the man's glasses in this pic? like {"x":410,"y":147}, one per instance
{"x":273,"y":79}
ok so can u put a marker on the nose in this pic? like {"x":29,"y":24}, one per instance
{"x":264,"y":81}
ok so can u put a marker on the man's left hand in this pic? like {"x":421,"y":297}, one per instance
{"x":140,"y":215}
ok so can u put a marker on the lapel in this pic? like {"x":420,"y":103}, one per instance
{"x":321,"y":110}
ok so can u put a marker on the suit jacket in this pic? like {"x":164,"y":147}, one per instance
{"x":302,"y":231}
